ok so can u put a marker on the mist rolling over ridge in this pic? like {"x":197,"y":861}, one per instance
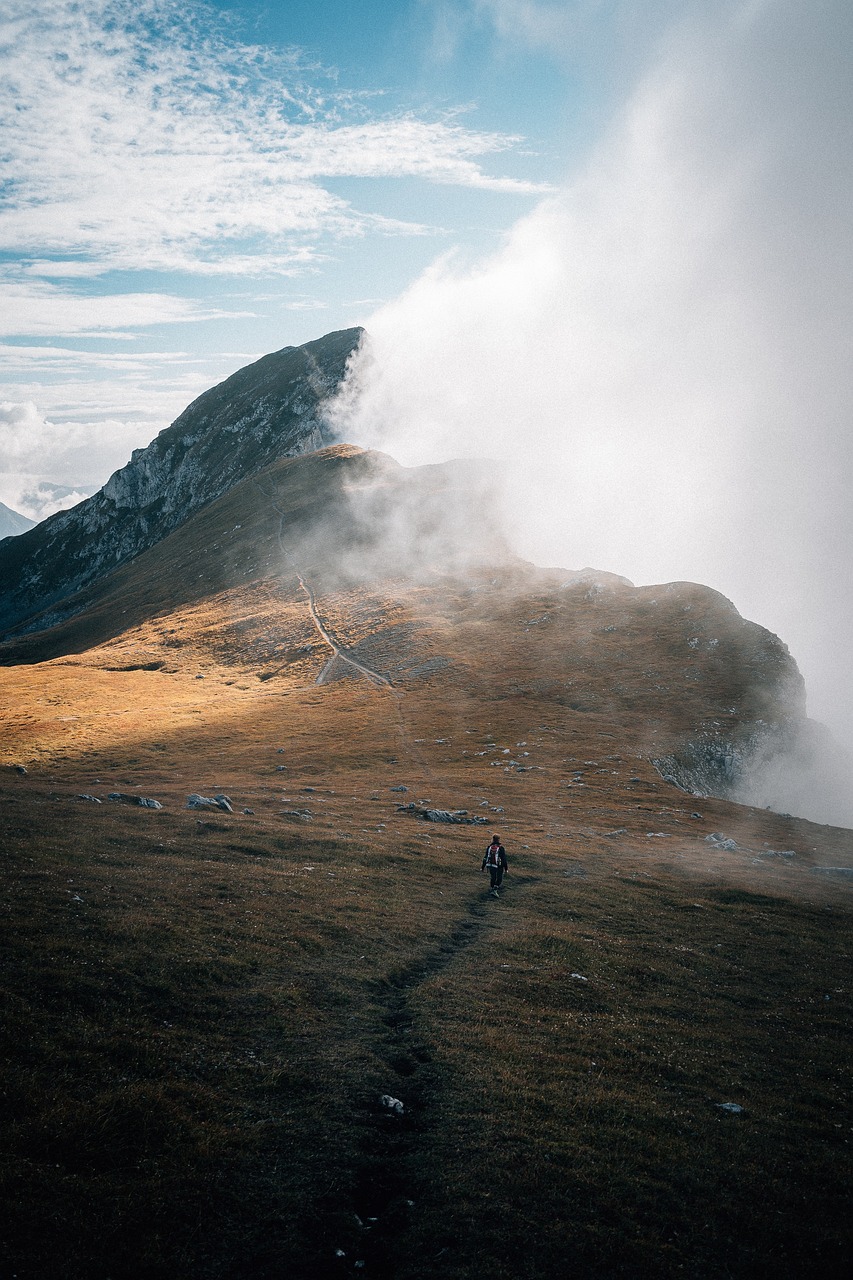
{"x":661,"y":350}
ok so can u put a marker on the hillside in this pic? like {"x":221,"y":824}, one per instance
{"x":206,"y":1007}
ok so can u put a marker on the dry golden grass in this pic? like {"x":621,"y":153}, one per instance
{"x":203,"y":1009}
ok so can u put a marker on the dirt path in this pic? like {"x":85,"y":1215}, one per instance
{"x":388,"y":1187}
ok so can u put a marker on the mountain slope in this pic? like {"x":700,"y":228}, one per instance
{"x":268,"y":410}
{"x":411,"y":580}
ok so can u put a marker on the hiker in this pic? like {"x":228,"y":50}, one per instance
{"x":495,"y":859}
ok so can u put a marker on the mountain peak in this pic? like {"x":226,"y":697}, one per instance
{"x":268,"y":410}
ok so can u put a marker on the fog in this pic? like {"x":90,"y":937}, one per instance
{"x":662,"y":352}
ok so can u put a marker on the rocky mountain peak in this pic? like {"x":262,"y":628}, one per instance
{"x":268,"y":410}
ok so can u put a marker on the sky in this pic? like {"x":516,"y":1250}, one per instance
{"x":607,"y":241}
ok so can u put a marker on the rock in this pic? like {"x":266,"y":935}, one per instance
{"x":205,"y":802}
{"x":459,"y":816}
{"x":392,"y":1104}
{"x":720,"y":841}
{"x":92,"y":799}
{"x":446,"y":816}
{"x":620,"y":831}
{"x":579,"y":977}
{"x":399,"y":788}
{"x":144,"y":802}
{"x":249,"y":811}
{"x":19,"y":768}
{"x":732,"y":1108}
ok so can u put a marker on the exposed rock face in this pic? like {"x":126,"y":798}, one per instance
{"x":270,"y":409}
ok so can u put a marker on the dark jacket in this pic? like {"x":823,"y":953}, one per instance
{"x":501,"y":858}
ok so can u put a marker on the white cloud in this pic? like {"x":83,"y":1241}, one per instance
{"x":36,"y":308}
{"x":662,"y":351}
{"x":32,"y":443}
{"x":139,"y":134}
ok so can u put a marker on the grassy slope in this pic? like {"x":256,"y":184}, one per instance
{"x":204,"y":1009}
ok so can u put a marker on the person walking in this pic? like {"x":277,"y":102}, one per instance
{"x":495,"y":859}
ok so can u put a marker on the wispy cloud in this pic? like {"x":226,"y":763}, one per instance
{"x":35,"y":308}
{"x":140,"y":134}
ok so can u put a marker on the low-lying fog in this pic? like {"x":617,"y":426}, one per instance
{"x":662,"y":351}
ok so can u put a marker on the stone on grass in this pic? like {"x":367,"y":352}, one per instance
{"x":209,"y":802}
{"x":720,"y":841}
{"x":392,"y":1104}
{"x":91,"y":799}
{"x":143,"y":802}
{"x":731,"y":1108}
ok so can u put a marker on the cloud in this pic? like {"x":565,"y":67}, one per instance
{"x":662,"y":349}
{"x":46,"y":466}
{"x":142,"y":134}
{"x":35,"y":308}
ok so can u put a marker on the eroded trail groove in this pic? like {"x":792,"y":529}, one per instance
{"x":388,"y":1184}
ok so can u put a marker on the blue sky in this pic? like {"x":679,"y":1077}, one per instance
{"x":189,"y":185}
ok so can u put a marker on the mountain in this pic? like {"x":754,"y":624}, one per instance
{"x":267,"y":410}
{"x":12,"y":522}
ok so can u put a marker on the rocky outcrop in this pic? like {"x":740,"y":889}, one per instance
{"x":269,"y":410}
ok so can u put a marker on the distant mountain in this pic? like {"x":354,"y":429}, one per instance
{"x":268,"y":410}
{"x":12,"y":522}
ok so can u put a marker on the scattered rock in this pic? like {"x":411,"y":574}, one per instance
{"x":305,"y":814}
{"x":620,"y":831}
{"x":91,"y":799}
{"x":144,"y":802}
{"x":459,"y":816}
{"x":392,"y":1104}
{"x":205,"y":802}
{"x":720,"y":841}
